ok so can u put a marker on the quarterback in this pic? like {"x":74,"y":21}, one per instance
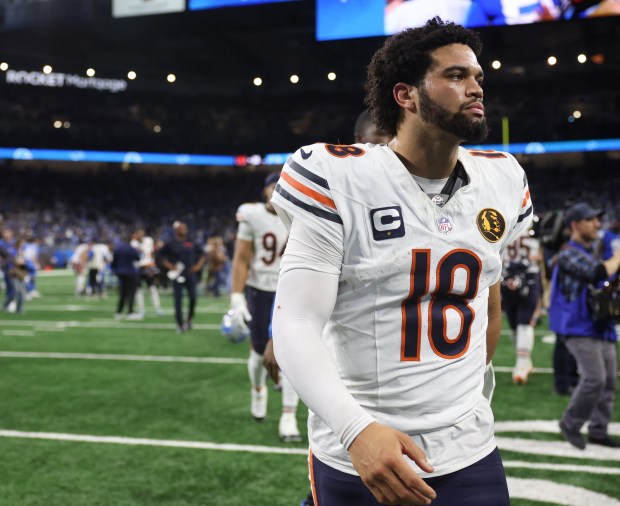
{"x":387,"y":310}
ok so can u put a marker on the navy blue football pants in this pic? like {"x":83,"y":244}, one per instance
{"x":481,"y":484}
{"x":177,"y":288}
{"x":260,"y":305}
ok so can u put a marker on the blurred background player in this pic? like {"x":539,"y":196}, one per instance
{"x":99,"y":256}
{"x":217,"y":258}
{"x":78,"y":264}
{"x":520,"y":290}
{"x":148,"y":270}
{"x":367,"y":131}
{"x":31,"y":250}
{"x":260,"y":242}
{"x":125,"y":265}
{"x":184,"y":259}
{"x":7,"y":244}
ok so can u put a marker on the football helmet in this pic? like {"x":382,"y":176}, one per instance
{"x":233,"y":327}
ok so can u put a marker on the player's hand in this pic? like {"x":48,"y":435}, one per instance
{"x":240,"y":309}
{"x":377,"y":455}
{"x":270,"y":363}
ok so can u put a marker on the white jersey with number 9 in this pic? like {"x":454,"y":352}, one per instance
{"x":268,"y":235}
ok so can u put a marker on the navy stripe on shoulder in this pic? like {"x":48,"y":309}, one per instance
{"x":525,"y":214}
{"x":311,"y":176}
{"x":326,"y":215}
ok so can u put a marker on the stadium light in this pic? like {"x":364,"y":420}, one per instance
{"x":257,"y":81}
{"x":4,"y":66}
{"x":47,"y":69}
{"x":496,"y":64}
{"x":171,"y":78}
{"x":552,"y":60}
{"x":331,"y":76}
{"x":67,"y":124}
{"x":131,"y":75}
{"x":90,"y":72}
{"x":294,"y":78}
{"x":577,"y":114}
{"x":582,"y":58}
{"x":598,"y":58}
{"x":157,"y":129}
{"x":57,"y":124}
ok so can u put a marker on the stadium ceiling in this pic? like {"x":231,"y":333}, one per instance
{"x":220,"y":51}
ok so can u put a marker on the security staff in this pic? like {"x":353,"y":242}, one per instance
{"x":183,"y":259}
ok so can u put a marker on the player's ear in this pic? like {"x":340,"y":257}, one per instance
{"x":406,"y":96}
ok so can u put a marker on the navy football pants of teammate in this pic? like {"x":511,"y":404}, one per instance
{"x":481,"y":484}
{"x":260,"y":305}
{"x":190,"y":284}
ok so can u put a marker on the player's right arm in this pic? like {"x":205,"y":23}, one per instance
{"x":242,"y":259}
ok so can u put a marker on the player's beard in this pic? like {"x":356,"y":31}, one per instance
{"x":458,"y":124}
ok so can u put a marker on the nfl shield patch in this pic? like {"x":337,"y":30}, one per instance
{"x":444,"y":224}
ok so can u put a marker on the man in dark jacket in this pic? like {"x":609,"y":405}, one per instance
{"x":184,"y":259}
{"x":125,"y":266}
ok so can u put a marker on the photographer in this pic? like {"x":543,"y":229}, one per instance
{"x":591,"y":342}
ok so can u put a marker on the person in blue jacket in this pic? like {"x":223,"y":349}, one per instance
{"x":592,"y":343}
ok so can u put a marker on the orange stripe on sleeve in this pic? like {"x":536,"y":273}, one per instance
{"x":525,"y":199}
{"x":308,"y":191}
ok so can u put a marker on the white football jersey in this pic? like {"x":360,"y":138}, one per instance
{"x":78,"y":256}
{"x":146,"y":246}
{"x":100,"y":256}
{"x":525,"y":251}
{"x":408,"y":330}
{"x":268,"y":235}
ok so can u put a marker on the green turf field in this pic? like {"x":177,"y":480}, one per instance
{"x":95,"y":411}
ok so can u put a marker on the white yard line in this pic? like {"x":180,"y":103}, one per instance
{"x":557,"y":493}
{"x":110,"y":324}
{"x":83,"y":438}
{"x":107,"y":309}
{"x":570,"y":468}
{"x":557,"y":449}
{"x":130,"y":358}
{"x":548,"y":426}
{"x":25,"y":333}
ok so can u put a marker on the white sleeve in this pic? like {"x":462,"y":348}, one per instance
{"x":305,"y":298}
{"x":526,"y":209}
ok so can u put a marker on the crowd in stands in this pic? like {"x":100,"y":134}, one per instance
{"x":62,"y":208}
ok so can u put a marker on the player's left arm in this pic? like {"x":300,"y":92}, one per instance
{"x":495,"y":320}
{"x":202,"y":259}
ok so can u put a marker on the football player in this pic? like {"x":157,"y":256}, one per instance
{"x":78,"y":264}
{"x":388,"y":305}
{"x":521,"y":301}
{"x":148,"y":270}
{"x":259,"y":245}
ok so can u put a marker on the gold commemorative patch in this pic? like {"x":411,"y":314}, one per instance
{"x":491,"y":224}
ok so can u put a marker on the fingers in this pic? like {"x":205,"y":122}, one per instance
{"x":397,"y":483}
{"x":377,"y":454}
{"x":415,"y":453}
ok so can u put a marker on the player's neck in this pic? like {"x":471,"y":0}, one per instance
{"x":270,"y":208}
{"x":425,"y":157}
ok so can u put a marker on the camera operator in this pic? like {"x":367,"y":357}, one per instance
{"x":592,"y":343}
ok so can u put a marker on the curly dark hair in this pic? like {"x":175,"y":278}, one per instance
{"x":406,"y":58}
